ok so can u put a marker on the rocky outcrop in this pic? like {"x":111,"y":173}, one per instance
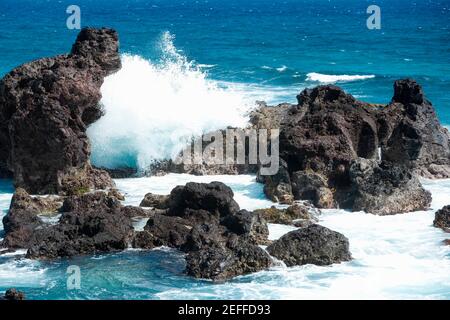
{"x":384,"y":188}
{"x":155,"y":201}
{"x":14,"y":295}
{"x":54,"y":100}
{"x":296,"y":214}
{"x":442,"y":219}
{"x":411,"y":134}
{"x":205,"y":222}
{"x":329,"y":134}
{"x":312,"y":245}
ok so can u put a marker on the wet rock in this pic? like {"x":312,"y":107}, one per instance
{"x":220,"y":263}
{"x":249,"y":224}
{"x":168,"y":231}
{"x":155,"y":201}
{"x":312,"y":245}
{"x":21,"y":200}
{"x":295,"y":213}
{"x":54,"y":100}
{"x":205,"y":222}
{"x":14,"y":295}
{"x":91,"y":223}
{"x":447,"y":242}
{"x":383,"y":188}
{"x":214,"y":197}
{"x":442,"y":219}
{"x":313,"y":187}
{"x":22,"y":218}
{"x":19,"y":226}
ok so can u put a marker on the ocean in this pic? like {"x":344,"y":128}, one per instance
{"x":190,"y":67}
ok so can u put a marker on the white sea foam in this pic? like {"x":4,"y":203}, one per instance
{"x":154,"y":108}
{"x":327,"y":78}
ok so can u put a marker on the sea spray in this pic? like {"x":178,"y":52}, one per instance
{"x":153,"y":109}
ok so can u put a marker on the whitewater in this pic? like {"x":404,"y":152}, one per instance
{"x":395,"y":257}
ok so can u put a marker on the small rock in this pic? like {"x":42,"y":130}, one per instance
{"x":442,"y":219}
{"x":155,"y":201}
{"x":312,"y":245}
{"x":14,"y":295}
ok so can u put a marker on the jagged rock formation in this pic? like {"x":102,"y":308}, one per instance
{"x":340,"y":152}
{"x":45,"y":109}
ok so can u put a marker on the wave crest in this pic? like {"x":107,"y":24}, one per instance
{"x":327,"y":78}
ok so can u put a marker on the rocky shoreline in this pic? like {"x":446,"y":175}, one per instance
{"x":336,"y":152}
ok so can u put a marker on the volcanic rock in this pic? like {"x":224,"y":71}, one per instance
{"x":311,"y":245}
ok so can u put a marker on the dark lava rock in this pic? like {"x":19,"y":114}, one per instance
{"x":214,"y":197}
{"x":383,"y":188}
{"x":308,"y":185}
{"x":14,"y":295}
{"x":22,"y":219}
{"x":220,"y":263}
{"x":411,"y":133}
{"x":312,"y":245}
{"x":249,"y":224}
{"x":205,"y":222}
{"x":45,"y":109}
{"x":21,"y":200}
{"x":329,"y":131}
{"x":155,"y":201}
{"x":91,"y":223}
{"x":278,"y":187}
{"x":442,"y":219}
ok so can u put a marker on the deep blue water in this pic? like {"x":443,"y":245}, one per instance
{"x":241,"y":37}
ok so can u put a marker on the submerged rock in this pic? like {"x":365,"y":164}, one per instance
{"x":14,"y":295}
{"x":54,"y":100}
{"x":312,"y":245}
{"x":442,"y":219}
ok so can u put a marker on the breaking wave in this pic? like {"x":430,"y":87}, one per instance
{"x":327,"y":78}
